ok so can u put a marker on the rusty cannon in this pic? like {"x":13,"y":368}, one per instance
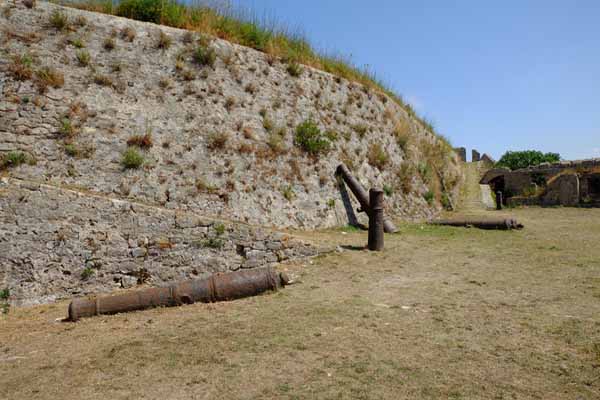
{"x":219,"y":287}
{"x":362,"y":196}
{"x":499,"y":224}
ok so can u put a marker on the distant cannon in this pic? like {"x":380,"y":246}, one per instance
{"x":361,"y":195}
{"x":219,"y":287}
{"x":499,"y":224}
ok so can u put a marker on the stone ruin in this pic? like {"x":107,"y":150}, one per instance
{"x":462,"y":153}
{"x":567,"y":183}
{"x":475,"y":156}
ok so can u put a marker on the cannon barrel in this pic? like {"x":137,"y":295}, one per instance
{"x":362,"y":196}
{"x":219,"y":287}
{"x":501,"y":224}
{"x":376,"y":220}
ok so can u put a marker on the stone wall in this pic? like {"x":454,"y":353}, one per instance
{"x":57,"y":242}
{"x":223,"y":136}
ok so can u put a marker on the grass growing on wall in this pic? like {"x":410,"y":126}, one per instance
{"x":245,"y":29}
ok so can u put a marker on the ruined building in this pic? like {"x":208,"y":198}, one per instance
{"x":567,"y":183}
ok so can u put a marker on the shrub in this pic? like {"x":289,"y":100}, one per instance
{"x":188,"y":37}
{"x":310,"y":138}
{"x":164,"y":83}
{"x":109,"y":44}
{"x":71,"y":150}
{"x":20,"y":68}
{"x":229,"y":103}
{"x":163,"y":41}
{"x":402,"y":134}
{"x":294,"y":69}
{"x":523,"y":159}
{"x":424,"y":171}
{"x":83,"y":58}
{"x":388,"y":190}
{"x":404,"y":176}
{"x":87,"y":273}
{"x":128,"y":34}
{"x":213,"y":243}
{"x":67,"y":129}
{"x":251,"y":88}
{"x":80,"y":20}
{"x":377,"y":157}
{"x":48,"y":76}
{"x":361,"y":130}
{"x":268,"y":124}
{"x":78,"y":43}
{"x":141,"y":141}
{"x":188,"y":75}
{"x":59,"y":21}
{"x":276,"y":143}
{"x":166,"y":12}
{"x":332,"y":136}
{"x":288,"y":193}
{"x":4,"y":296}
{"x":219,"y":229}
{"x":445,"y":200}
{"x":205,"y":56}
{"x":13,"y":159}
{"x":217,"y":141}
{"x":429,"y":196}
{"x":132,"y":159}
{"x":204,"y":187}
{"x":103,"y":80}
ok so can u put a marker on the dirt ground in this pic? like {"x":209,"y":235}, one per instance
{"x":441,"y":313}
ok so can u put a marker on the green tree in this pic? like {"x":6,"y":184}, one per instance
{"x":523,"y":159}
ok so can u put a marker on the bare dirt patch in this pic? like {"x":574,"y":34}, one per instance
{"x":442,"y":313}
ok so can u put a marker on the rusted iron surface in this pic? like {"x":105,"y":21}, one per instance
{"x":219,"y":287}
{"x":361,"y":195}
{"x":501,"y":224}
{"x":376,"y":220}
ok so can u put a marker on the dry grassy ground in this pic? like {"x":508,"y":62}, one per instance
{"x":442,"y":313}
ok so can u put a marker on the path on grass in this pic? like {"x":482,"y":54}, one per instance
{"x":475,"y":197}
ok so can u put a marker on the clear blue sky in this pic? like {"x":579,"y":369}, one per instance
{"x":496,"y":76}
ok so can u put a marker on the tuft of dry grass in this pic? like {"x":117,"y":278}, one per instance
{"x":83,"y":58}
{"x":217,"y":141}
{"x":59,"y":20}
{"x":128,"y":34}
{"x":163,"y":41}
{"x":377,"y":157}
{"x":48,"y":77}
{"x":402,"y":134}
{"x":142,"y":141}
{"x":165,"y":83}
{"x":109,"y":44}
{"x":103,"y":80}
{"x":21,"y":68}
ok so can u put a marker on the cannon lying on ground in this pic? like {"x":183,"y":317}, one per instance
{"x":501,"y":224}
{"x":219,"y":287}
{"x":361,"y":195}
